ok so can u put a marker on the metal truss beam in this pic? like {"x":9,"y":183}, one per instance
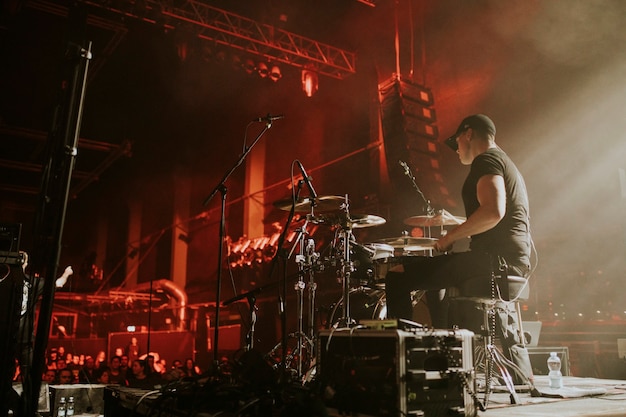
{"x":225,"y":28}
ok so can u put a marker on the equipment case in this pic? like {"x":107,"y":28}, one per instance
{"x":397,"y":373}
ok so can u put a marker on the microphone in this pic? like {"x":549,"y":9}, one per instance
{"x":407,"y":170}
{"x":307,"y":181}
{"x":269,"y":118}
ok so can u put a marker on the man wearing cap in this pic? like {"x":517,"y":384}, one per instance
{"x":496,"y":205}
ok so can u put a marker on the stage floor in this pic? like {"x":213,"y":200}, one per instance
{"x":579,"y":397}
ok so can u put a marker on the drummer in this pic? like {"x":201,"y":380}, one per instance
{"x":496,"y":205}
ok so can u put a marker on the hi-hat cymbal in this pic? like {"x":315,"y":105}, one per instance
{"x":441,"y":218}
{"x":355,"y":221}
{"x":409,"y":243}
{"x":322,"y":204}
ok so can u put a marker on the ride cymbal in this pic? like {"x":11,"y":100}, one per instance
{"x":441,"y":218}
{"x":322,"y":204}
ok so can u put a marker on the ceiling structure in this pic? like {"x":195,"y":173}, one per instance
{"x":195,"y":19}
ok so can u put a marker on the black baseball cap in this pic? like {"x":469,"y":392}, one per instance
{"x":478,"y":122}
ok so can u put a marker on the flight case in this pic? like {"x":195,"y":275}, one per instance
{"x":396,"y":372}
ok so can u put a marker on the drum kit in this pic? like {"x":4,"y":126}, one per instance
{"x":361,"y":268}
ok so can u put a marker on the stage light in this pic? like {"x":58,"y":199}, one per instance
{"x":130,"y":329}
{"x":263,"y":70}
{"x":275,"y":73}
{"x":309,"y":82}
{"x":249,"y":66}
{"x":236,"y":63}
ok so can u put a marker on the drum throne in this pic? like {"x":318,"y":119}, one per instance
{"x":498,"y":299}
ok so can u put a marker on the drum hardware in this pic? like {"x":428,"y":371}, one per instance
{"x":306,"y":259}
{"x":332,"y":211}
{"x":369,"y":303}
{"x":346,"y":239}
{"x":367,"y":260}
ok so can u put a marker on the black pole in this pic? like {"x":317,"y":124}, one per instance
{"x":149,"y":321}
{"x":53,"y":198}
{"x":218,"y":292}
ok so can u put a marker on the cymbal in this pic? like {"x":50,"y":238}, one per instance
{"x":441,"y":218}
{"x":408,"y":243}
{"x":356,"y":221}
{"x":323,"y":204}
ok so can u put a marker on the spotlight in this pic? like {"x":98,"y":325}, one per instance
{"x":275,"y":74}
{"x":309,"y":82}
{"x":220,"y":56}
{"x":236,"y":63}
{"x":263,"y":70}
{"x":249,"y":66}
{"x":206,"y":53}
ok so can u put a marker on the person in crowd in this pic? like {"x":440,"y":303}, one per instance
{"x":88,"y":373}
{"x":140,"y":377}
{"x":101,"y":360}
{"x":49,"y":377}
{"x":177,"y":364}
{"x":75,"y":367}
{"x":61,"y":364}
{"x":190,"y":369}
{"x":124,"y":364}
{"x":65,"y":376}
{"x":103,"y":377}
{"x":52,"y":358}
{"x":132,"y":350}
{"x":116,"y":374}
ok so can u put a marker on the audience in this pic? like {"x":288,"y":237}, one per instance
{"x":145,"y":373}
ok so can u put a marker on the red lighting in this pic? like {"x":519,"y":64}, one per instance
{"x":309,"y":82}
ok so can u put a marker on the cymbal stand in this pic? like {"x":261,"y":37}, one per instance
{"x":305,"y":260}
{"x":346,"y":236}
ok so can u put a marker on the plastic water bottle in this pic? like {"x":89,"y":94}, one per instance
{"x":62,"y":408}
{"x":555,"y":375}
{"x":70,"y":407}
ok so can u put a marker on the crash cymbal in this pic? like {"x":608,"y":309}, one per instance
{"x":408,"y":243}
{"x":322,"y":204}
{"x":441,"y":218}
{"x":356,"y":221}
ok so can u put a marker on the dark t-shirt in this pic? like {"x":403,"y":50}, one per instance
{"x":510,"y":238}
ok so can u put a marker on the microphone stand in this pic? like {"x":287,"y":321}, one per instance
{"x":407,"y":171}
{"x":221,"y":187}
